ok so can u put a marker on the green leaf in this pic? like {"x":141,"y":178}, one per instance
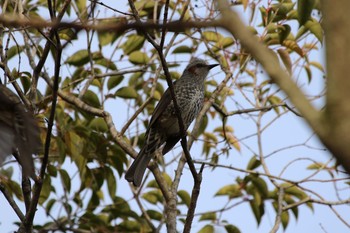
{"x":114,"y":81}
{"x":207,"y":229}
{"x":51,"y":170}
{"x":106,"y":63}
{"x":67,"y":34}
{"x":260,"y":185}
{"x":65,"y":179}
{"x":45,"y":190}
{"x":208,"y":216}
{"x":49,"y":205}
{"x":315,"y":28}
{"x":185,"y":197}
{"x":138,"y":58}
{"x":81,"y":4}
{"x":292,"y":45}
{"x":79,"y":58}
{"x":153,"y":196}
{"x":289,"y":200}
{"x":285,"y":219}
{"x":155,"y":215}
{"x":15,"y":189}
{"x":223,"y":42}
{"x":304,"y":9}
{"x":98,"y":124}
{"x":133,"y":43}
{"x":111,"y":182}
{"x":91,"y":98}
{"x":212,"y":36}
{"x":126,"y":93}
{"x":129,"y":226}
{"x":232,"y":229}
{"x":232,"y":191}
{"x":253,"y":163}
{"x":284,"y":32}
{"x":257,"y":209}
{"x":182,"y":49}
{"x":294,"y":191}
{"x":13,"y":51}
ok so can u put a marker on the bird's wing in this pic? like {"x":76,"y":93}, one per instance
{"x":161,"y":106}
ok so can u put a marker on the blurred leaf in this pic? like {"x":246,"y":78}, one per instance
{"x":294,"y":191}
{"x":317,"y":65}
{"x":154,"y":184}
{"x":208,"y":216}
{"x":182,"y":49}
{"x":129,"y":226}
{"x":253,"y":163}
{"x":134,"y":42}
{"x":79,"y":58}
{"x":105,"y":63}
{"x":13,"y":51}
{"x":224,"y":42}
{"x":15,"y":188}
{"x":105,"y":38}
{"x":98,"y":124}
{"x":232,"y":191}
{"x":308,"y":72}
{"x":207,"y":229}
{"x":127,"y":93}
{"x":289,"y":200}
{"x":316,"y":166}
{"x":155,"y":215}
{"x":51,"y":170}
{"x":285,"y":219}
{"x":114,"y":81}
{"x":212,"y":36}
{"x":315,"y":28}
{"x":81,"y":4}
{"x":284,"y":55}
{"x":26,"y":81}
{"x":304,"y":10}
{"x":260,"y":185}
{"x":65,"y":179}
{"x":49,"y":205}
{"x":67,"y":34}
{"x":203,"y":125}
{"x":232,"y":229}
{"x":153,"y":196}
{"x":185,"y":197}
{"x":138,"y":58}
{"x":275,"y":100}
{"x":111,"y":182}
{"x":45,"y":190}
{"x":257,"y":209}
{"x":91,"y":98}
{"x":284,"y":32}
{"x":292,"y":45}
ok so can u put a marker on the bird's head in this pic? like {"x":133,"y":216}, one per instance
{"x":199,"y":68}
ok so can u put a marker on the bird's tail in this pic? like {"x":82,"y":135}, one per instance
{"x":138,"y":167}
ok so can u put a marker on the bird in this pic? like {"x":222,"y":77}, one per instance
{"x":19,"y":131}
{"x":163,"y":127}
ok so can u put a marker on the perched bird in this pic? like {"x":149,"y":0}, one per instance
{"x":19,"y":131}
{"x":164,"y":126}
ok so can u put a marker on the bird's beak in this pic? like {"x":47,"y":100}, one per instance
{"x":212,"y":66}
